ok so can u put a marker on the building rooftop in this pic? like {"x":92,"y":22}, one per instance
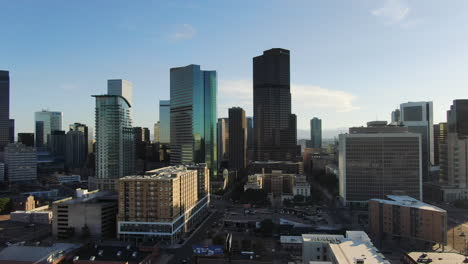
{"x":291,"y":239}
{"x":437,"y":257}
{"x":119,"y":254}
{"x":404,"y":200}
{"x":18,"y":252}
{"x":165,"y":173}
{"x":322,"y":238}
{"x":351,"y":251}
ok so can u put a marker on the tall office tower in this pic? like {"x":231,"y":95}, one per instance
{"x":57,"y":144}
{"x":169,"y":208}
{"x":26,"y":139}
{"x":2,"y":171}
{"x":140,"y":144}
{"x":396,"y":118}
{"x":84,"y":129}
{"x":146,"y":135}
{"x":378,"y":160}
{"x":223,"y":139}
{"x":120,"y":87}
{"x":237,"y":138}
{"x":417,"y":116}
{"x":275,"y":134}
{"x":193,"y":116}
{"x":75,"y":155}
{"x":250,"y":138}
{"x":11,"y":130}
{"x":316,"y":133}
{"x":46,"y":122}
{"x":4,"y":108}
{"x":165,"y":121}
{"x":20,"y":163}
{"x":138,"y":132}
{"x":157,"y":129}
{"x":440,"y":139}
{"x":455,"y":159}
{"x":115,"y":142}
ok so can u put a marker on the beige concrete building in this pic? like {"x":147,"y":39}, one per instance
{"x":279,"y":184}
{"x":163,"y":204}
{"x":406,"y":217}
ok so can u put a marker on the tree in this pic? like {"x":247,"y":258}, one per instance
{"x":5,"y":205}
{"x":266,"y":227}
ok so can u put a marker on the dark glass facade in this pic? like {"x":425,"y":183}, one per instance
{"x":237,"y":138}
{"x":26,"y":139}
{"x":193,"y":116}
{"x":275,"y":133}
{"x":4,"y":109}
{"x":457,"y":118}
{"x":315,"y":133}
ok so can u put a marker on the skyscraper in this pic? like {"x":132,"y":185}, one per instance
{"x":316,"y":133}
{"x":417,"y":116}
{"x":4,"y":109}
{"x":440,"y":138}
{"x":157,"y":132}
{"x":11,"y":130}
{"x":115,"y":142}
{"x":165,"y":121}
{"x":275,"y":133}
{"x":21,"y":163}
{"x":377,"y":160}
{"x":120,"y":87}
{"x":223,"y":140}
{"x":396,"y":118}
{"x":46,"y":122}
{"x":237,"y":138}
{"x":146,"y":135}
{"x":193,"y":116}
{"x":75,"y":155}
{"x":26,"y":139}
{"x":250,"y":139}
{"x":84,"y":129}
{"x":57,"y":144}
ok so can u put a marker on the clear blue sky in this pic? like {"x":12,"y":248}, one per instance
{"x":351,"y":61}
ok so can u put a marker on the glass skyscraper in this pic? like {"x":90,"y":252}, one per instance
{"x":165,"y":121}
{"x":115,"y":143}
{"x":274,"y":125}
{"x":4,"y":109}
{"x":193,"y":116}
{"x":316,"y":133}
{"x":46,"y":123}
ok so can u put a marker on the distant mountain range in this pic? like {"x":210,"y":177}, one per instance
{"x":326,"y":133}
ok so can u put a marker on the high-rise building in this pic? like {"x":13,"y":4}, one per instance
{"x":57,"y":144}
{"x":454,"y":164}
{"x":20,"y":162}
{"x":315,"y":133}
{"x":203,"y":176}
{"x":250,"y":139}
{"x":237,"y":138}
{"x":11,"y":130}
{"x":2,"y":171}
{"x":146,"y":135}
{"x":193,"y":116}
{"x":4,"y":109}
{"x":84,"y":129}
{"x":163,"y":204}
{"x":274,"y":125}
{"x":417,"y":116}
{"x":440,"y":138}
{"x":165,"y":121}
{"x":115,"y":142}
{"x":396,"y":118}
{"x":46,"y":122}
{"x":75,"y":155}
{"x":120,"y":87}
{"x":223,"y":140}
{"x":378,"y":160}
{"x":26,"y":139}
{"x":157,"y":131}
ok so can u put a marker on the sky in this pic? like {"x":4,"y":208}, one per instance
{"x":351,"y":61}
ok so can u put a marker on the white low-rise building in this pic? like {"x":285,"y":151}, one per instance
{"x":301,"y":186}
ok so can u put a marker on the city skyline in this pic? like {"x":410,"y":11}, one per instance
{"x":399,"y":36}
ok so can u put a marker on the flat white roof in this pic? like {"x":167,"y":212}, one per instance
{"x":322,"y":238}
{"x":349,"y":251}
{"x":404,"y":200}
{"x":438,"y":257}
